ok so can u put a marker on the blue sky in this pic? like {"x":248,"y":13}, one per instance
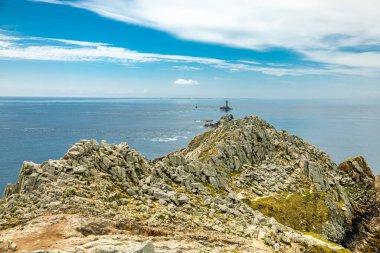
{"x":177,"y":48}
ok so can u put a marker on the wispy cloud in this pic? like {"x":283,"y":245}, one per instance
{"x":250,"y":62}
{"x":314,"y":28}
{"x":51,"y":1}
{"x":81,"y":43}
{"x":5,"y":44}
{"x":53,"y":49}
{"x":7,"y":37}
{"x":186,"y":68}
{"x":350,"y":59}
{"x":185,"y":82}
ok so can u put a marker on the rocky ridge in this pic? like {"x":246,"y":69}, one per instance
{"x":243,"y":180}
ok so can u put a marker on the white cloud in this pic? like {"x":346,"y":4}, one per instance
{"x":7,"y":37}
{"x":38,"y":48}
{"x":185,"y":82}
{"x":323,"y":26}
{"x":49,"y":1}
{"x":186,"y":68}
{"x":56,"y":53}
{"x":250,"y":62}
{"x":80,"y":43}
{"x":350,"y":59}
{"x":5,"y":43}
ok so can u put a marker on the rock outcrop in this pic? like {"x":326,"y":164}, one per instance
{"x":243,"y":179}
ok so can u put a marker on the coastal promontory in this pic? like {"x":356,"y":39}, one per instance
{"x":236,"y":188}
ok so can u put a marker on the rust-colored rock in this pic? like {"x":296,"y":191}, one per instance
{"x":358,"y":169}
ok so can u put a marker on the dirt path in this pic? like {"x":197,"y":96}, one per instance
{"x":61,"y":232}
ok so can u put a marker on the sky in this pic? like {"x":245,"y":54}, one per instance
{"x":284,"y":49}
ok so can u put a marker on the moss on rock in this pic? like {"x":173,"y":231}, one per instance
{"x":194,"y":143}
{"x":302,"y":212}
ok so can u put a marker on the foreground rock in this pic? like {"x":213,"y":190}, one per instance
{"x":243,"y":181}
{"x":106,"y":245}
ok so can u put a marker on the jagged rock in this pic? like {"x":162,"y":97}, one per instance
{"x":269,"y":241}
{"x":359,"y":171}
{"x":9,"y":190}
{"x":12,"y":245}
{"x":243,"y":178}
{"x":3,"y":246}
{"x":146,"y":247}
{"x":223,"y":120}
{"x":377,"y":183}
{"x":95,"y":228}
{"x":79,"y":170}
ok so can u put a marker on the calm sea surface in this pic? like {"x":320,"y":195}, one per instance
{"x":38,"y":129}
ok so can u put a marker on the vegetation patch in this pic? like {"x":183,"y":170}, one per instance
{"x":69,"y":192}
{"x":212,"y":190}
{"x":236,"y":173}
{"x":302,"y":212}
{"x":325,"y":249}
{"x":194,"y":143}
{"x":205,"y":156}
{"x":209,"y":150}
{"x":319,"y":237}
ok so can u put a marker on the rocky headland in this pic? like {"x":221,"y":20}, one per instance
{"x":236,"y":188}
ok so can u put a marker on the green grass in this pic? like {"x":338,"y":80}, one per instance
{"x":209,"y":150}
{"x":302,"y":212}
{"x":235,"y":173}
{"x":69,"y":192}
{"x":325,"y":249}
{"x":213,"y":191}
{"x":194,"y":143}
{"x":319,"y":237}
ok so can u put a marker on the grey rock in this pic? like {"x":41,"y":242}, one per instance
{"x":223,"y":208}
{"x":12,"y":245}
{"x":146,"y":247}
{"x":214,"y":182}
{"x":79,"y":170}
{"x":183,"y":199}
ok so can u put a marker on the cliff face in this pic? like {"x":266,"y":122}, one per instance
{"x":243,"y":179}
{"x":364,"y":233}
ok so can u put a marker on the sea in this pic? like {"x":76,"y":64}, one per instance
{"x":38,"y":129}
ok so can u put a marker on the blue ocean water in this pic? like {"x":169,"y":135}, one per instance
{"x":38,"y":129}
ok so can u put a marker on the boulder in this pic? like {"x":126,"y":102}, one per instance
{"x":145,"y":247}
{"x":95,"y":228}
{"x":358,"y":170}
{"x":79,"y":170}
{"x":12,"y":245}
